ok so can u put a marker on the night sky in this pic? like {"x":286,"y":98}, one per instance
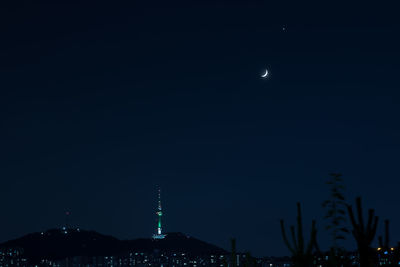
{"x":101,"y":103}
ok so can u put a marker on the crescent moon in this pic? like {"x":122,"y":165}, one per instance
{"x":265,"y":75}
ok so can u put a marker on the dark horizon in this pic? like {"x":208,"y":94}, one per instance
{"x":103,"y":103}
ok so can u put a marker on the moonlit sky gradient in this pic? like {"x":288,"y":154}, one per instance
{"x":101,"y":103}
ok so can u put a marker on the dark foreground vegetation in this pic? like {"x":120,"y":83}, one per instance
{"x":362,"y":229}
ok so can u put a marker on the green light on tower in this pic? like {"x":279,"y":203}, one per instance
{"x":159,"y":234}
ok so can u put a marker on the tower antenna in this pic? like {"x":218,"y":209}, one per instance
{"x":66,"y":226}
{"x":159,"y":234}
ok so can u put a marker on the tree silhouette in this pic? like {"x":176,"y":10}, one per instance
{"x":302,"y":256}
{"x":335,"y":208}
{"x":364,"y":235}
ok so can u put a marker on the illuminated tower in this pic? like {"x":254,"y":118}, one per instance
{"x":159,"y":234}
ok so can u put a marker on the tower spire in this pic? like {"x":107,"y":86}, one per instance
{"x":159,"y":234}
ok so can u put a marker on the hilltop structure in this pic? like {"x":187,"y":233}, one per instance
{"x":159,"y":234}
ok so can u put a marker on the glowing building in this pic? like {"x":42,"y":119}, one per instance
{"x":159,"y":234}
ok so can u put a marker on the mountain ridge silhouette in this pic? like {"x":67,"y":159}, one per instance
{"x":57,"y":244}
